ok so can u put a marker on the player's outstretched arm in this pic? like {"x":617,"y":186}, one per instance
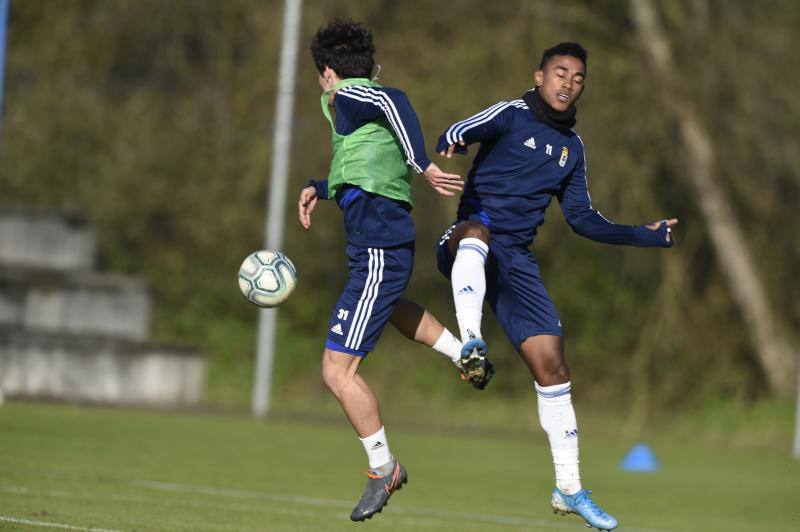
{"x":306,"y":204}
{"x":441,"y":181}
{"x":589,"y":223}
{"x":486,"y":125}
{"x":586,"y":221}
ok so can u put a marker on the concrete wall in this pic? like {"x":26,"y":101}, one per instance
{"x":72,"y":334}
{"x":99,"y":370}
{"x":49,"y":241}
{"x":80,"y":303}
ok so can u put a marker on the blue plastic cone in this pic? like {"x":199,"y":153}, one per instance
{"x":640,"y":459}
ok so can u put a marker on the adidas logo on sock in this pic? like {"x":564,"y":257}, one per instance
{"x":571,"y":433}
{"x":337,"y":329}
{"x":466,"y":290}
{"x":378,"y":445}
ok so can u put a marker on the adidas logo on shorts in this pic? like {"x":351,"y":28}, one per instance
{"x":337,"y":329}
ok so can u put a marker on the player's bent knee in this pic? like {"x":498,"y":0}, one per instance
{"x":334,"y":378}
{"x":544,"y":355}
{"x":474,"y":230}
{"x":553,"y":371}
{"x":561,"y":374}
{"x":337,"y":372}
{"x":468,"y":230}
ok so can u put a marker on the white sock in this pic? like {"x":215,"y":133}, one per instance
{"x":469,"y":285}
{"x":448,"y":345}
{"x":377,"y":449}
{"x":558,"y":420}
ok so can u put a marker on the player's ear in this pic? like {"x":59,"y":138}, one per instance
{"x":538,"y":78}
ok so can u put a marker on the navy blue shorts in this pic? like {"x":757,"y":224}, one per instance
{"x":378,"y":277}
{"x":514,"y":290}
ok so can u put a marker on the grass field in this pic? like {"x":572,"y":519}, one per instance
{"x":78,"y":468}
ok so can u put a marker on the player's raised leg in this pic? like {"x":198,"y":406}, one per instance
{"x":417,"y":324}
{"x":469,"y":245}
{"x":544,"y":355}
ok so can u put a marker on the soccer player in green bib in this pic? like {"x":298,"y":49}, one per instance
{"x":377,"y":146}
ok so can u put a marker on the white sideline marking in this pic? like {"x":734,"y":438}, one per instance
{"x":408,"y":521}
{"x":48,"y":524}
{"x":116,"y":497}
{"x":408,"y":514}
{"x":333,"y":503}
{"x":410,"y":517}
{"x":241,"y":494}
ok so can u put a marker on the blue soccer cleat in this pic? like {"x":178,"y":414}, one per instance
{"x":474,"y":365}
{"x":583,"y":505}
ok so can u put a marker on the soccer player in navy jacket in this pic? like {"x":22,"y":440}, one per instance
{"x":529,"y":154}
{"x":377,"y":144}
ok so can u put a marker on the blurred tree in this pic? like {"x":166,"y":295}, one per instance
{"x":728,"y":239}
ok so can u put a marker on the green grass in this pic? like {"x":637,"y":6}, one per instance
{"x":123,"y":469}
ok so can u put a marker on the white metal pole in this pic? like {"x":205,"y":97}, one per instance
{"x":3,"y":29}
{"x":796,"y":448}
{"x":276,"y":206}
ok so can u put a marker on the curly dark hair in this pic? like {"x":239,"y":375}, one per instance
{"x":564,"y":48}
{"x":346,"y":47}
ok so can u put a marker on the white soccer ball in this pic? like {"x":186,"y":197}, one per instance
{"x":267,"y":278}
